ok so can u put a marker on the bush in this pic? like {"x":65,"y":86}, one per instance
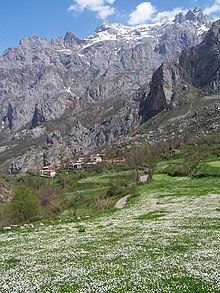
{"x":72,"y":201}
{"x":132,"y":176}
{"x":46,"y":193}
{"x":116,"y":188}
{"x":102,"y":167}
{"x":182,"y":170}
{"x":65,"y":180}
{"x":133,"y":189}
{"x":102,"y":202}
{"x":24,"y":205}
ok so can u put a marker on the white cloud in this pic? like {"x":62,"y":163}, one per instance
{"x":213,"y":9}
{"x":143,"y":13}
{"x":146,"y":12}
{"x":163,"y":15}
{"x":102,"y":8}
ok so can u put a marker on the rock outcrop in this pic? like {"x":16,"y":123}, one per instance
{"x":198,"y":66}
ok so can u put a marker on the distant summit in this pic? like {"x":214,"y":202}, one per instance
{"x":115,"y":31}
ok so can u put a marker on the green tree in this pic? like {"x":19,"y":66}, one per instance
{"x":24,"y":205}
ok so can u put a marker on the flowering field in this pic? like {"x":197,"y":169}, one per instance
{"x":165,"y":240}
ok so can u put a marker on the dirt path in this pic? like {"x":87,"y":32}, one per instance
{"x":122,"y":202}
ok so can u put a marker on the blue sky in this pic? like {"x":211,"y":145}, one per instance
{"x":52,"y":18}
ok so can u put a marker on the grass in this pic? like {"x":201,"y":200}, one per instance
{"x":152,"y":215}
{"x":214,"y":164}
{"x":210,"y":166}
{"x":184,"y":186}
{"x":163,"y":164}
{"x":87,"y":196}
{"x":166,"y":240}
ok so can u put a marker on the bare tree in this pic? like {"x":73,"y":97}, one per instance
{"x":140,"y":156}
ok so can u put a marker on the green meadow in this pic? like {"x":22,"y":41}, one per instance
{"x":166,"y":239}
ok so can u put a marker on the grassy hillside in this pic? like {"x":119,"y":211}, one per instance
{"x":165,"y":240}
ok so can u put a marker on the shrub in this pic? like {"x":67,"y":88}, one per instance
{"x":55,"y":209}
{"x":101,"y":167}
{"x":133,"y":189}
{"x":46,"y":193}
{"x":102,"y":202}
{"x":181,"y":170}
{"x":24,"y":205}
{"x":65,"y":180}
{"x":132,"y":176}
{"x":71,"y":201}
{"x":35,"y":182}
{"x":115,"y":188}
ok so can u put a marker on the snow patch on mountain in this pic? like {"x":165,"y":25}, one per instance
{"x":202,"y":29}
{"x":121,"y":33}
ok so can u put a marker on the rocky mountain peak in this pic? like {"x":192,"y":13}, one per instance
{"x":101,"y":28}
{"x":197,"y":15}
{"x":70,"y":39}
{"x":188,"y":22}
{"x":111,"y":28}
{"x":34,"y":41}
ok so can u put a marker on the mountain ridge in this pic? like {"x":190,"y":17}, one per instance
{"x":45,"y":84}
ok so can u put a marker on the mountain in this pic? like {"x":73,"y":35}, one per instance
{"x":69,"y":95}
{"x":183,"y":98}
{"x":198,"y":66}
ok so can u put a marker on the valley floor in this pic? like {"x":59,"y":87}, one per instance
{"x":165,"y":240}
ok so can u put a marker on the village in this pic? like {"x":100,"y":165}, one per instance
{"x":78,"y":164}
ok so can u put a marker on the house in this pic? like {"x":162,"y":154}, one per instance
{"x":77,"y":166}
{"x":58,"y":166}
{"x":72,"y":162}
{"x":83,"y":160}
{"x":116,"y":162}
{"x":94,"y":159}
{"x":48,"y":172}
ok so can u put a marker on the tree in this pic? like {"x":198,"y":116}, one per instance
{"x":140,"y":156}
{"x":24,"y":205}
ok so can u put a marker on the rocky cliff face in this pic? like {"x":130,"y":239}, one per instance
{"x":202,"y":63}
{"x":198,"y":66}
{"x":39,"y":79}
{"x":83,"y":94}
